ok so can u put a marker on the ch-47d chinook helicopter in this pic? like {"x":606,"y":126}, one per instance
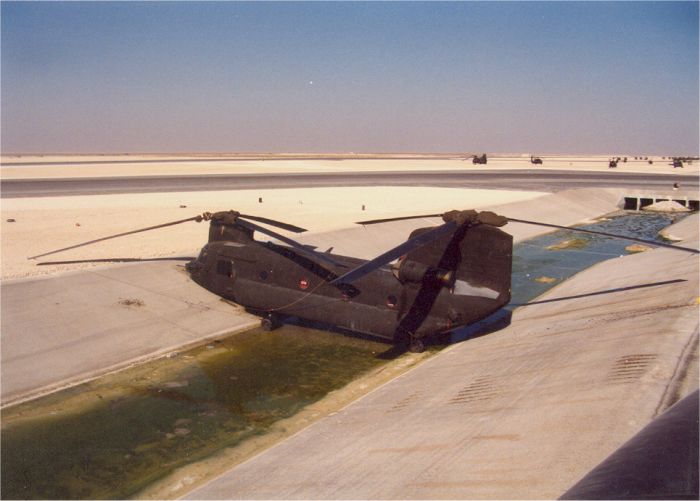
{"x":443,"y":277}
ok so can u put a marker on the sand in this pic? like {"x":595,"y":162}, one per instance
{"x":44,"y":224}
{"x":34,"y":167}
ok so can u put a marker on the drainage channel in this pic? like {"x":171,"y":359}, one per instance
{"x":112,"y":437}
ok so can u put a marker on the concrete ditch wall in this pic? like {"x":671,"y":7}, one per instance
{"x":61,"y":331}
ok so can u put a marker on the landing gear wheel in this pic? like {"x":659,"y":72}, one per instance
{"x":416,"y":345}
{"x":270,"y":322}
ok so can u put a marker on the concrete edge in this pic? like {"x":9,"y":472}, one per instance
{"x":112,"y":369}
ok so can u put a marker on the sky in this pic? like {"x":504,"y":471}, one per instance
{"x":507,"y":77}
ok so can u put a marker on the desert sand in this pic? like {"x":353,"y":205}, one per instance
{"x":44,"y":224}
{"x":32,"y":226}
{"x":54,"y":166}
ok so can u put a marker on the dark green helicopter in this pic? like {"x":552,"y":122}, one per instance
{"x":443,"y":277}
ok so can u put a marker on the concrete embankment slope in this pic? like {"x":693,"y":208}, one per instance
{"x":521,"y":413}
{"x":64,"y":330}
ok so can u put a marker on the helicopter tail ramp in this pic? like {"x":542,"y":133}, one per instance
{"x":486,"y":262}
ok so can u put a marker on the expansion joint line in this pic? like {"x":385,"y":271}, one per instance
{"x":680,"y":373}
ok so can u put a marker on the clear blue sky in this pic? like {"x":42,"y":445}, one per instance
{"x":542,"y":77}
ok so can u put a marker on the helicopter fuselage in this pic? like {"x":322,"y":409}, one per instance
{"x":430,"y":292}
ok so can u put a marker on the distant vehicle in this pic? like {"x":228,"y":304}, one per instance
{"x":613,"y":163}
{"x":535,"y":160}
{"x":479,"y":160}
{"x":677,"y":162}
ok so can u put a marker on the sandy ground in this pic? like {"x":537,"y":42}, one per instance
{"x":33,"y":167}
{"x":44,"y":224}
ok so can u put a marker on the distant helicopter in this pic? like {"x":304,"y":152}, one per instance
{"x":444,"y":277}
{"x":479,"y":159}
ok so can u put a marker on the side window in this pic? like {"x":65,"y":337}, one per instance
{"x":224,"y":267}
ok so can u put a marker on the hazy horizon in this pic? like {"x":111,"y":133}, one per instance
{"x":576,"y":78}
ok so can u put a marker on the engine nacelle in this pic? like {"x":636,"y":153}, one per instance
{"x":409,"y":271}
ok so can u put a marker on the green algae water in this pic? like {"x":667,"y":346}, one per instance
{"x":112,"y":437}
{"x":562,"y":254}
{"x":542,"y":262}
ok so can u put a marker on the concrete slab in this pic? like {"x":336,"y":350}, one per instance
{"x":63,"y":330}
{"x":521,"y":413}
{"x":684,"y":231}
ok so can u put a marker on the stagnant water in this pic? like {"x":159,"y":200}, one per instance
{"x":111,"y":437}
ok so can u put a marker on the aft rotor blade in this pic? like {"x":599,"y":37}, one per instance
{"x":272,"y":222}
{"x":117,"y":235}
{"x":288,"y":241}
{"x":400,"y":218}
{"x":537,"y":223}
{"x":390,"y":255}
{"x":605,"y":234}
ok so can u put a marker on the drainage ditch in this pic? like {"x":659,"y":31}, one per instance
{"x":112,"y":437}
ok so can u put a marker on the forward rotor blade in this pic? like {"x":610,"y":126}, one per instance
{"x":401,"y":218}
{"x":406,"y":247}
{"x":272,"y":222}
{"x":289,"y":241}
{"x":117,"y":235}
{"x":605,"y":234}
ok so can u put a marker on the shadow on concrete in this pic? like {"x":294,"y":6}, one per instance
{"x":493,"y":323}
{"x":659,"y":462}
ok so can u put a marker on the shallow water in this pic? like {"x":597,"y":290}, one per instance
{"x":532,"y":259}
{"x":112,"y":437}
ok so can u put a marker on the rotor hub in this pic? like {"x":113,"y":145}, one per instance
{"x":471,"y":218}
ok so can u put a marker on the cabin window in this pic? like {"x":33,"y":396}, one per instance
{"x":224,"y":267}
